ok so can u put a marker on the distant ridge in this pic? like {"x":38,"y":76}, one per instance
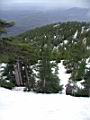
{"x":29,"y":19}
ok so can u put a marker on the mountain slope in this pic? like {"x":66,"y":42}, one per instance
{"x":29,"y":19}
{"x":70,"y":42}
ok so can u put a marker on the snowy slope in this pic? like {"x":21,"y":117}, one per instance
{"x":30,"y":106}
{"x":64,"y":77}
{"x":62,"y":73}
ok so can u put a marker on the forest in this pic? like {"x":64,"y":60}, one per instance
{"x":30,"y":57}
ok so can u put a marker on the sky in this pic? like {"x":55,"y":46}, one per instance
{"x":47,"y":3}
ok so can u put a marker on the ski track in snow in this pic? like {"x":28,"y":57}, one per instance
{"x":17,"y":105}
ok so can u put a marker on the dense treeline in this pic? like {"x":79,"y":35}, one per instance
{"x":30,"y":55}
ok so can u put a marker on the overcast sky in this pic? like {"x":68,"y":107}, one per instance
{"x":47,"y":3}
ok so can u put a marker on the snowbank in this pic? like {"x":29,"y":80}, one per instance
{"x":30,"y":106}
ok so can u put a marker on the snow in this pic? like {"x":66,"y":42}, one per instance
{"x":88,"y":29}
{"x":2,"y":66}
{"x":65,"y":41}
{"x":61,"y":44}
{"x":88,"y":63}
{"x":16,"y":105}
{"x":79,"y":84}
{"x":45,"y":36}
{"x":19,"y":105}
{"x":84,"y":41}
{"x":55,"y":36}
{"x":18,"y":89}
{"x":56,"y":25}
{"x":88,"y":47}
{"x":83,"y":29}
{"x":75,"y":35}
{"x":62,"y":75}
{"x":56,"y":48}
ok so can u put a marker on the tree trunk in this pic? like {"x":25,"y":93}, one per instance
{"x":18,"y":75}
{"x":89,"y":92}
{"x":27,"y":78}
{"x":19,"y":72}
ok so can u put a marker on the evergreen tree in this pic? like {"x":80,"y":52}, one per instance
{"x":4,"y":25}
{"x":28,"y":77}
{"x":19,"y":52}
{"x":86,"y":82}
{"x":7,"y":78}
{"x":49,"y":81}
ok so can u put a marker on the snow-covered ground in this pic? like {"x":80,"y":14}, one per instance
{"x":64,"y":77}
{"x":18,"y":105}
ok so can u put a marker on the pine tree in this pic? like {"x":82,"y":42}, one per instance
{"x":19,"y":52}
{"x":49,"y":81}
{"x":7,"y":78}
{"x":29,"y":77}
{"x":86,"y":82}
{"x":4,"y":25}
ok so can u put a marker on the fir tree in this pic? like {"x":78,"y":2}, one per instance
{"x":7,"y":78}
{"x":49,"y":82}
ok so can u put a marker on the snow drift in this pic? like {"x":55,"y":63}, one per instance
{"x":18,"y":105}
